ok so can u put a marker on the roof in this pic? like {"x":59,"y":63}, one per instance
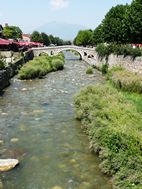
{"x":26,"y":35}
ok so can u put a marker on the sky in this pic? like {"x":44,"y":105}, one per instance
{"x":30,"y":14}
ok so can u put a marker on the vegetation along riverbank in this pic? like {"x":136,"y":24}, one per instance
{"x":114,"y":126}
{"x":40,"y":66}
{"x":111,"y":116}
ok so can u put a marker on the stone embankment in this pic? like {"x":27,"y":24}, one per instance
{"x":12,"y":69}
{"x":128,"y":62}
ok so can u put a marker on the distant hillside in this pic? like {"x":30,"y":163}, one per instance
{"x":62,"y":30}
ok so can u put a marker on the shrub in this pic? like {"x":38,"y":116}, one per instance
{"x":114,"y":126}
{"x":40,"y":66}
{"x":2,"y":65}
{"x":104,"y":68}
{"x":89,"y":70}
{"x":104,"y":50}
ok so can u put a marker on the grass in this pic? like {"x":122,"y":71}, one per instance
{"x":89,"y":70}
{"x":114,"y":126}
{"x":40,"y":66}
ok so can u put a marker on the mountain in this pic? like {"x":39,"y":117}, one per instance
{"x":63,"y":30}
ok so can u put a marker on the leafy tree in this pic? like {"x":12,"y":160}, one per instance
{"x":133,"y":22}
{"x":52,"y":39}
{"x":98,"y":35}
{"x":36,"y":37}
{"x":45,"y":39}
{"x":113,"y":24}
{"x":84,"y":38}
{"x":58,"y":41}
{"x":12,"y":32}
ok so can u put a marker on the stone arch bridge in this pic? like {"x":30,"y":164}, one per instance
{"x":87,"y":54}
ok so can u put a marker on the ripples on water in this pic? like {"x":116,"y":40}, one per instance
{"x":38,"y":127}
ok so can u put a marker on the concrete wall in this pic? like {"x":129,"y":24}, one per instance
{"x":134,"y":65}
{"x":12,"y":69}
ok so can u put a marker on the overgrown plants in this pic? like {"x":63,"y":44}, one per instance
{"x":40,"y":66}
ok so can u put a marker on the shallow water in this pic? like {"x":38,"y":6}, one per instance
{"x":38,"y":127}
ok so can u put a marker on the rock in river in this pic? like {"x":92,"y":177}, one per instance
{"x":8,"y":164}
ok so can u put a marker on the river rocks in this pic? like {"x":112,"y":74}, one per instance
{"x":1,"y":142}
{"x":14,"y":140}
{"x":57,"y":187}
{"x":8,"y":164}
{"x":24,"y":89}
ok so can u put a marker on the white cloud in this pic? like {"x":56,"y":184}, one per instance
{"x":59,"y":4}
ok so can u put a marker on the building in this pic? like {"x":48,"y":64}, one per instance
{"x":1,"y":31}
{"x":26,"y":37}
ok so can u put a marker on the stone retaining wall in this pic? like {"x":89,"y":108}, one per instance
{"x":12,"y":69}
{"x":134,"y":65}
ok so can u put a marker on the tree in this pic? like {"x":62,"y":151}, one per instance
{"x":113,"y":25}
{"x":133,"y":22}
{"x":45,"y":39}
{"x":52,"y":39}
{"x":12,"y":32}
{"x":36,"y":37}
{"x":98,"y":35}
{"x":84,"y":38}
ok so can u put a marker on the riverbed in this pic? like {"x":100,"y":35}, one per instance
{"x":38,"y":127}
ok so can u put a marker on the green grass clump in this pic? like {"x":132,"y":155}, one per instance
{"x":89,"y":70}
{"x":114,"y":126}
{"x":40,"y":66}
{"x":125,"y":80}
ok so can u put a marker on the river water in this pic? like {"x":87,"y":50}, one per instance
{"x":38,"y":127}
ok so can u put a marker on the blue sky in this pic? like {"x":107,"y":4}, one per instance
{"x":30,"y":14}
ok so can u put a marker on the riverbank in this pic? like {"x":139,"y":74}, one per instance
{"x":12,"y":69}
{"x":112,"y":119}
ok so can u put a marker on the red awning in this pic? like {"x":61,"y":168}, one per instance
{"x":5,"y":42}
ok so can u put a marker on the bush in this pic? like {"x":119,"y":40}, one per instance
{"x":2,"y":65}
{"x":40,"y":66}
{"x":104,"y":68}
{"x":89,"y":70}
{"x":114,"y":126}
{"x":105,"y":50}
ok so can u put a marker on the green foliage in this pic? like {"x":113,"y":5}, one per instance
{"x":45,"y":39}
{"x":104,"y":50}
{"x":84,"y":38}
{"x":89,"y":70}
{"x":98,"y":35}
{"x":12,"y":32}
{"x":114,"y":126}
{"x":113,"y":24}
{"x":104,"y":68}
{"x":125,"y":80}
{"x":40,"y":66}
{"x":2,"y":64}
{"x":36,"y":37}
{"x":133,"y":22}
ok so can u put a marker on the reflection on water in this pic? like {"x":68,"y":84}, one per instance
{"x":37,"y":126}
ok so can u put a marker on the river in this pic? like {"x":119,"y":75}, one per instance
{"x":38,"y":127}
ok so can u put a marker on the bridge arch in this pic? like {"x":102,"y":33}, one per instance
{"x":75,"y":50}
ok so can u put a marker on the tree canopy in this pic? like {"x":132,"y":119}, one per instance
{"x":12,"y":32}
{"x":84,"y":38}
{"x":121,"y":25}
{"x":113,"y":25}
